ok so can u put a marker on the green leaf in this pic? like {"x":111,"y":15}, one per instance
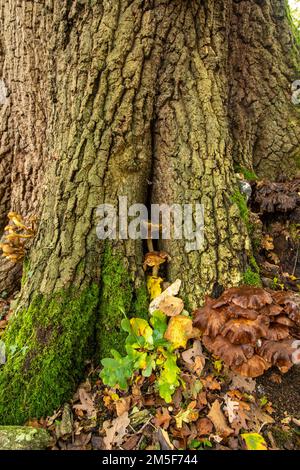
{"x":159,"y":323}
{"x":168,"y":380}
{"x":254,"y":441}
{"x":117,"y":371}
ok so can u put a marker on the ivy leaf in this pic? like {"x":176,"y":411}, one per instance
{"x":159,"y":323}
{"x":179,"y":330}
{"x":168,"y":380}
{"x":254,"y":441}
{"x":117,"y":371}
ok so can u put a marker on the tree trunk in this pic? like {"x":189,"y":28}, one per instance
{"x":156,"y":100}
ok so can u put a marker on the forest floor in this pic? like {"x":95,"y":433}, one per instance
{"x":213,"y":407}
{"x":213,"y":412}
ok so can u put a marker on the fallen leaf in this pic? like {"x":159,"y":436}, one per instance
{"x":204,"y":427}
{"x":87,"y":403}
{"x":162,"y":418}
{"x":131,"y":442}
{"x":115,"y":431}
{"x":123,"y":405}
{"x":218,"y":419}
{"x":173,"y":289}
{"x":194,"y":358}
{"x":187,"y":416}
{"x":232,"y":408}
{"x":180,"y":330}
{"x":171,"y":306}
{"x":211,"y":383}
{"x":154,"y":286}
{"x":254,"y":441}
{"x":247,"y":384}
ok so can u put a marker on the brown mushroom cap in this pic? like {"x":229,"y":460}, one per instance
{"x":276,"y":332}
{"x":247,"y":297}
{"x":282,"y":320}
{"x":215,"y":322}
{"x":231,"y":354}
{"x":271,"y":310}
{"x":201,"y":317}
{"x":252,"y":297}
{"x":155,"y":258}
{"x":278,"y":353}
{"x":243,"y":331}
{"x":235,"y":311}
{"x":254,"y":367}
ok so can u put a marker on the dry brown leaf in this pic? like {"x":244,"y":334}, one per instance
{"x":194,"y":358}
{"x":211,"y":383}
{"x":123,"y":405}
{"x":173,"y":289}
{"x":162,"y":418}
{"x":131,"y":442}
{"x":171,"y":306}
{"x":115,"y":431}
{"x":86,"y":403}
{"x":204,"y":427}
{"x":267,"y":243}
{"x":218,"y":419}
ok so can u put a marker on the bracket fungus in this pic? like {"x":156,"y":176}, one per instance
{"x":251,"y":329}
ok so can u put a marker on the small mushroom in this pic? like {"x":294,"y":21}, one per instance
{"x":271,"y":310}
{"x":236,"y":312}
{"x":216,"y":321}
{"x":254,"y":367}
{"x":276,"y":332}
{"x":154,"y":259}
{"x":278,"y":353}
{"x":241,"y":331}
{"x":230,"y":353}
{"x":283,"y":320}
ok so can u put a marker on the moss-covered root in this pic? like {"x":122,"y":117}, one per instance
{"x":23,"y":438}
{"x":46,"y":348}
{"x":119,"y":297}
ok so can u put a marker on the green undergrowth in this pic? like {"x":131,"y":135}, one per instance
{"x":117,"y":299}
{"x":46,"y":347}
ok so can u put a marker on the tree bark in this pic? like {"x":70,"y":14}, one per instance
{"x":158,"y":101}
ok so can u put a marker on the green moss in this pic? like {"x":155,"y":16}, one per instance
{"x":249,"y":175}
{"x":251,"y":278}
{"x":115,"y":301}
{"x":241,"y":201}
{"x":253,"y":264}
{"x":141,"y":302}
{"x":26,"y":270}
{"x":46,"y":346}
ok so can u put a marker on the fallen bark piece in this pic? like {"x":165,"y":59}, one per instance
{"x":24,"y":438}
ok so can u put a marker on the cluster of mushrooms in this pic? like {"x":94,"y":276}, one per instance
{"x":16,"y":234}
{"x":252,"y":329}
